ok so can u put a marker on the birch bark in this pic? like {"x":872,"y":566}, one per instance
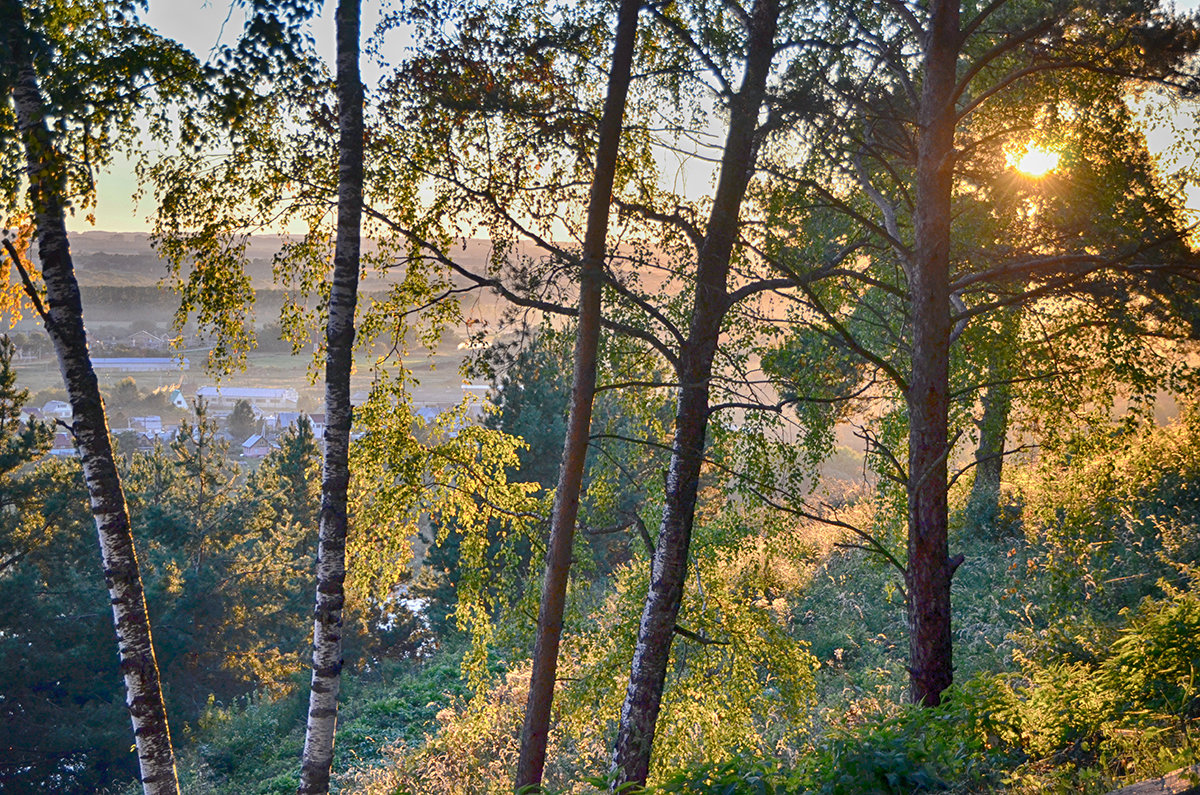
{"x":317,"y":760}
{"x":643,"y":696}
{"x":63,"y":318}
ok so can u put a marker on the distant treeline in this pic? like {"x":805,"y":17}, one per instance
{"x":110,"y":295}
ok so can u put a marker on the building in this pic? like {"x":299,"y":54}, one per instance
{"x":287,"y":419}
{"x":152,"y":422}
{"x":256,"y":446}
{"x":147,"y":341}
{"x":57,"y":410}
{"x":63,"y":445}
{"x":222,"y":399}
{"x":139,"y":364}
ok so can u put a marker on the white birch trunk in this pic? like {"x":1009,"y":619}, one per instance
{"x":64,"y":323}
{"x":317,"y":761}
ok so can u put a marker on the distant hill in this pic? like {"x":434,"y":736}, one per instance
{"x":126,"y":259}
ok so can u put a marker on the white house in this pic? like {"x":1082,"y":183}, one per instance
{"x":57,"y":410}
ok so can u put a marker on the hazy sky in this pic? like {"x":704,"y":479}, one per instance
{"x":201,"y":25}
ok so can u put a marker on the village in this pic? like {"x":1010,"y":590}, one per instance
{"x":249,"y":420}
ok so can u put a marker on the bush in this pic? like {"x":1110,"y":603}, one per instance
{"x":1123,"y":706}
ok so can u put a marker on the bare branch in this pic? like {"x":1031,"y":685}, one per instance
{"x":27,"y":283}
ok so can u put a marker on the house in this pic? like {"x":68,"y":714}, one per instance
{"x":318,"y":424}
{"x":287,"y":419}
{"x":63,"y":445}
{"x":152,"y":423}
{"x":222,"y":399}
{"x":255,"y":447}
{"x":178,"y":400}
{"x":57,"y":410}
{"x":147,"y":341}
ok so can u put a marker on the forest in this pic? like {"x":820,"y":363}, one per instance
{"x":842,"y":431}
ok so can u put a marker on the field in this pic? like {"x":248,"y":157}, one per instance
{"x":438,"y":376}
{"x":120,"y":276}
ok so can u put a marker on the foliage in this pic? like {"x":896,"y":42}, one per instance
{"x":250,"y":744}
{"x":740,"y":684}
{"x":107,"y":79}
{"x":242,"y":421}
{"x":1111,"y":509}
{"x":226,"y":579}
{"x":1095,"y":716}
{"x":61,"y":703}
{"x":455,"y":471}
{"x":531,"y":375}
{"x":908,"y":750}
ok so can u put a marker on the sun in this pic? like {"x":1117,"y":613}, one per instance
{"x":1034,"y":161}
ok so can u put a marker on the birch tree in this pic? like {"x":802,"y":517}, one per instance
{"x":62,"y":314}
{"x":339,"y":359}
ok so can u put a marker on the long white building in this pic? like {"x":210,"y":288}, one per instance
{"x":224,"y":398}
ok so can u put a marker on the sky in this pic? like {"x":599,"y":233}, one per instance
{"x":201,"y":25}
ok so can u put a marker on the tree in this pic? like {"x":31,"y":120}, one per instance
{"x":927,"y":394}
{"x":125,"y":394}
{"x":242,"y":420}
{"x":339,"y":359}
{"x":566,"y":497}
{"x":63,"y":317}
{"x":694,"y":370}
{"x":206,"y":474}
{"x":21,"y":442}
{"x":929,"y":135}
{"x":63,"y":721}
{"x":701,"y":272}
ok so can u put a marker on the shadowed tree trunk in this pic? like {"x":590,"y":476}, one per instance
{"x":983,"y":507}
{"x":643,"y":697}
{"x":927,"y":396}
{"x":534,"y":733}
{"x":339,"y":342}
{"x":63,"y":317}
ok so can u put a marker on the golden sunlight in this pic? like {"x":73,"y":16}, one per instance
{"x":1034,"y":161}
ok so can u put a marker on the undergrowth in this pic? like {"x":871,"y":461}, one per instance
{"x":1077,"y":662}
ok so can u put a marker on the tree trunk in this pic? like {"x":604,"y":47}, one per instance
{"x":534,"y":733}
{"x":63,"y":318}
{"x":929,"y":566}
{"x":339,"y":342}
{"x":643,"y":697}
{"x":983,"y":507}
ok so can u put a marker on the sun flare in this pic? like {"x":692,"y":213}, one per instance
{"x":1034,"y":161}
